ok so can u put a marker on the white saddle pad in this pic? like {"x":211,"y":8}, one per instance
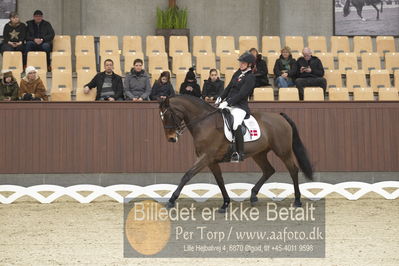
{"x":252,"y":134}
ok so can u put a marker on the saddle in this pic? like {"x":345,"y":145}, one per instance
{"x":250,"y":127}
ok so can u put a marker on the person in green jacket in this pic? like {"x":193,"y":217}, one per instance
{"x":8,"y":87}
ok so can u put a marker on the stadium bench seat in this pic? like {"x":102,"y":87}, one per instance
{"x":338,"y":94}
{"x":318,"y":44}
{"x":313,"y":94}
{"x":363,"y":94}
{"x":288,"y":94}
{"x":62,"y":43}
{"x":271,"y":44}
{"x":109,"y":45}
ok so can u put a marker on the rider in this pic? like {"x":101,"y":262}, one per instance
{"x":235,"y":98}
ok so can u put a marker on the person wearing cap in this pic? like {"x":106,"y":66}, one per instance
{"x":32,"y":87}
{"x":40,"y":35}
{"x":190,"y":85}
{"x":8,"y":87}
{"x":235,"y":98}
{"x":14,"y":34}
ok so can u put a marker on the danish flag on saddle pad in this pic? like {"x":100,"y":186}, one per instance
{"x":254,"y":133}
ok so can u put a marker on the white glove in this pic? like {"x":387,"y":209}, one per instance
{"x":218,"y":100}
{"x":223,"y":105}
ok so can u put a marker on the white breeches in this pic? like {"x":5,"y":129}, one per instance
{"x":238,"y":115}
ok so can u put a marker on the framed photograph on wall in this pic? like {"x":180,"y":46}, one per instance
{"x":366,"y":17}
{"x":6,"y":7}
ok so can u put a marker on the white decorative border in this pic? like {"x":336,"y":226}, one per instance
{"x":188,"y":191}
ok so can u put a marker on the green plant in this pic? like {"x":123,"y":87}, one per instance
{"x":181,"y":19}
{"x":160,"y":21}
{"x":172,"y":18}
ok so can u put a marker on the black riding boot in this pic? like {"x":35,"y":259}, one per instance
{"x":238,"y":155}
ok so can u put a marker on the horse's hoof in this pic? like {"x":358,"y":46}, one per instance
{"x":170,"y":205}
{"x":222,"y":210}
{"x":298,"y":204}
{"x":363,"y":19}
{"x":254,"y":200}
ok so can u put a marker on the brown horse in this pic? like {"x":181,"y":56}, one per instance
{"x":278,"y":134}
{"x":359,"y":4}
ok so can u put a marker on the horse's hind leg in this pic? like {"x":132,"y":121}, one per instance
{"x":293,"y":169}
{"x":217,"y":173}
{"x":359,"y":12}
{"x":268,"y":171}
{"x":378,"y":11}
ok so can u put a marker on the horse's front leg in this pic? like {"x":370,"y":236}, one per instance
{"x":198,"y":166}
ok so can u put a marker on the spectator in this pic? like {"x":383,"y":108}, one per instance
{"x":260,"y":69}
{"x":213,"y":86}
{"x":190,"y":86}
{"x":283,"y":68}
{"x":32,"y":87}
{"x":40,"y":35}
{"x":8,"y":87}
{"x":137,"y":85}
{"x":308,"y":72}
{"x":14,"y":35}
{"x":109,"y":85}
{"x":162,"y":88}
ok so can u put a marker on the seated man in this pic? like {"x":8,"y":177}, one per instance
{"x":308,"y":71}
{"x":109,"y":85}
{"x":40,"y":35}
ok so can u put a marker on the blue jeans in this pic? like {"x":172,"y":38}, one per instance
{"x":45,"y":46}
{"x":284,"y":83}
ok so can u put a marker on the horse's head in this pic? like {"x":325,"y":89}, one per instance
{"x":172,"y":120}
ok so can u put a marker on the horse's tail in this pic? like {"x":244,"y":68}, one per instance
{"x":347,"y":9}
{"x":300,"y":150}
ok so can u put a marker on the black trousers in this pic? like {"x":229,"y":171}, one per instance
{"x":301,"y":83}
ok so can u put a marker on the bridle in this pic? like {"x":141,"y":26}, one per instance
{"x":180,"y":126}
